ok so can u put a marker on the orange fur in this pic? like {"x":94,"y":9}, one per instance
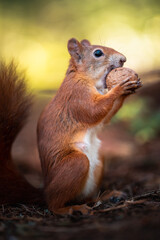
{"x":15,"y":105}
{"x":77,"y":107}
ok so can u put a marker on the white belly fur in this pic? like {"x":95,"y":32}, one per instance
{"x":91,"y":145}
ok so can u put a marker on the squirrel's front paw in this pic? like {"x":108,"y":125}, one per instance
{"x":129,"y":87}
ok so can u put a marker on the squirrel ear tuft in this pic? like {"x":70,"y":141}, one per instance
{"x":75,"y":49}
{"x":85,"y":43}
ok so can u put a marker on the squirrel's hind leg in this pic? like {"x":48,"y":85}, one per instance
{"x":66,"y":181}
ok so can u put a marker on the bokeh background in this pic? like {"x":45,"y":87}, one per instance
{"x":35,"y":34}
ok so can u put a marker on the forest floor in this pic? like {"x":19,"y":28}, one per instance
{"x":134,"y":214}
{"x":128,"y":206}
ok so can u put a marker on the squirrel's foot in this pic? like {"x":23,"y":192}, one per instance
{"x":70,"y":210}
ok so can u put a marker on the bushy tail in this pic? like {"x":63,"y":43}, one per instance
{"x":15,"y":105}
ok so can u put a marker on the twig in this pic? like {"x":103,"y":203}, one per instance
{"x":126,"y":204}
{"x":146,"y":195}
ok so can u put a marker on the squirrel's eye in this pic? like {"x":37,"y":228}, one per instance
{"x":98,"y":53}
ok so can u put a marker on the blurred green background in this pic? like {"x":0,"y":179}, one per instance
{"x":35,"y":33}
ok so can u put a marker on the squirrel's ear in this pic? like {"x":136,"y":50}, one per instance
{"x":85,"y":43}
{"x":75,"y":49}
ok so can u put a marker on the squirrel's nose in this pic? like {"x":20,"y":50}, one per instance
{"x":122,"y":60}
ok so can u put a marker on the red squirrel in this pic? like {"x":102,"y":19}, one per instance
{"x":67,"y":128}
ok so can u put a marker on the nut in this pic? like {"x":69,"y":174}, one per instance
{"x":119,"y":74}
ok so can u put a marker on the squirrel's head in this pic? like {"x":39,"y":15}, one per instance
{"x":94,"y":61}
